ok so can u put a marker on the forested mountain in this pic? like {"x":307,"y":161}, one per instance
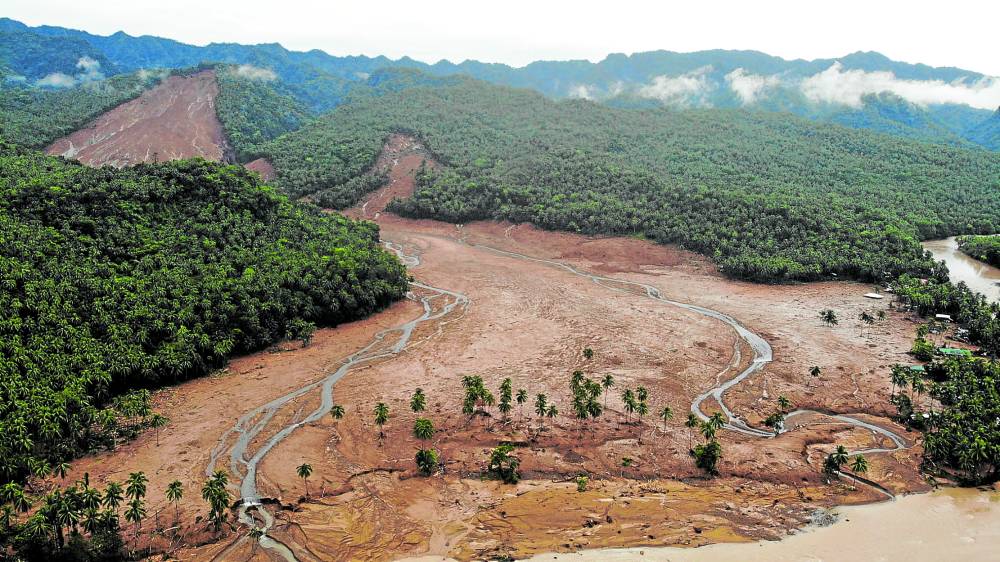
{"x":987,"y":133}
{"x":769,"y":196}
{"x":34,"y":117}
{"x":861,"y":90}
{"x":115,"y":280}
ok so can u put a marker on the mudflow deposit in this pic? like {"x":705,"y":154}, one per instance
{"x":176,"y":119}
{"x":503,"y":300}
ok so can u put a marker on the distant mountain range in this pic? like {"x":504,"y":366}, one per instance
{"x":861,"y":90}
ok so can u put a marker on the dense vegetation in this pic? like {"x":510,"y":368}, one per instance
{"x":31,"y":57}
{"x":983,"y":248}
{"x":119,"y":279}
{"x":963,"y":437}
{"x":769,"y":196}
{"x":35,"y":117}
{"x":255,"y":109}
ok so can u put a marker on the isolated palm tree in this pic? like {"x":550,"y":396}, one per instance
{"x":418,"y":402}
{"x":522,"y":397}
{"x":423,"y":429}
{"x":541,"y":403}
{"x":666,"y":414}
{"x":588,"y":353}
{"x":381,"y":417}
{"x":304,"y":471}
{"x":717,"y":420}
{"x":641,"y":393}
{"x":337,"y":412}
{"x":156,"y":421}
{"x":860,"y":464}
{"x":175,"y":491}
{"x":784,"y":403}
{"x":628,"y":399}
{"x":552,"y":411}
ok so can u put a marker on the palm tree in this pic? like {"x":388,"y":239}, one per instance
{"x":607,"y":382}
{"x":784,"y":403}
{"x":136,"y":485}
{"x":642,"y":410}
{"x":61,"y":469}
{"x":134,"y":514}
{"x":337,"y":411}
{"x":708,"y":430}
{"x":628,"y":398}
{"x":418,"y":403}
{"x":522,"y":397}
{"x":576,"y":381}
{"x":304,"y":471}
{"x":829,"y":317}
{"x":717,"y":420}
{"x":588,"y":353}
{"x":423,"y":429}
{"x":898,"y":378}
{"x":860,"y":464}
{"x":113,"y":496}
{"x":691,"y":423}
{"x":541,"y":403}
{"x":626,"y":462}
{"x":666,"y":414}
{"x":641,"y":393}
{"x":815,"y":371}
{"x":156,"y":421}
{"x":552,"y":411}
{"x":867,"y":319}
{"x":175,"y":491}
{"x":381,"y":417}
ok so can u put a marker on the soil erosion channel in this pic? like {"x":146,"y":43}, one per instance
{"x":438,"y":306}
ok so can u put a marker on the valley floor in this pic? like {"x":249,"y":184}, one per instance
{"x":530,"y":321}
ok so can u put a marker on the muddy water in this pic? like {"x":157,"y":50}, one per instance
{"x":951,"y":524}
{"x":976,"y":274}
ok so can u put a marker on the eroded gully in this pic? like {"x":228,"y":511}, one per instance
{"x":438,"y":304}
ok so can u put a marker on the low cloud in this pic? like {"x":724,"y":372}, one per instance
{"x":582,"y":91}
{"x":252,"y":72}
{"x":57,"y":80}
{"x":848,"y":87}
{"x":748,"y":86}
{"x":679,"y":90}
{"x":90,"y":70}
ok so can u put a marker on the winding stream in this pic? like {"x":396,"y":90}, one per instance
{"x":235,"y":442}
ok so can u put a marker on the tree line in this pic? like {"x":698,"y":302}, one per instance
{"x":982,"y":248}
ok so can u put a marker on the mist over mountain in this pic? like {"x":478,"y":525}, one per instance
{"x":861,"y":90}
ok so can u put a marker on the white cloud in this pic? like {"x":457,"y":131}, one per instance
{"x":848,"y":87}
{"x":91,"y":69}
{"x":678,"y":89}
{"x":750,"y":86}
{"x":582,"y":91}
{"x":57,"y":80}
{"x":255,"y":73}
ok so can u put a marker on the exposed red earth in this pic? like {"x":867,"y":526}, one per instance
{"x":530,"y":321}
{"x":174,"y":120}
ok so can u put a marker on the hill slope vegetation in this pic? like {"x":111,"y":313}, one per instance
{"x":115,"y":280}
{"x":769,"y":196}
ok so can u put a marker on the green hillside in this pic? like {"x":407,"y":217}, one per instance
{"x":116,"y":280}
{"x":769,"y":196}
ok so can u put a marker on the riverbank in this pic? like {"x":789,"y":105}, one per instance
{"x":979,"y":276}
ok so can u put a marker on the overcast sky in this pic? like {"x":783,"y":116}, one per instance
{"x":954,"y":33}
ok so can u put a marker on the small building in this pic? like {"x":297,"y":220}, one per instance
{"x":917,"y":369}
{"x":875,"y":296}
{"x":954,"y":352}
{"x":942,"y":317}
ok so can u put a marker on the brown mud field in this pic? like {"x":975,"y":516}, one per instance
{"x":530,"y":320}
{"x":174,"y":120}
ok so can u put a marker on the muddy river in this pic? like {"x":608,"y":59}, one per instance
{"x":976,"y":274}
{"x":950,"y":524}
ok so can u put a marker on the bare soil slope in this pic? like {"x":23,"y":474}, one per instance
{"x":174,"y":120}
